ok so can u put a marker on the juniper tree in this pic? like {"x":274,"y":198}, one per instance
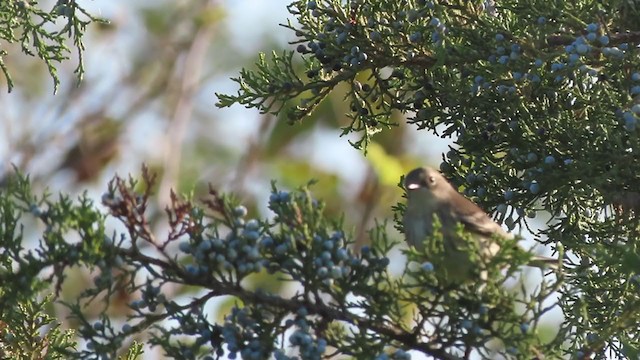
{"x":540,"y":100}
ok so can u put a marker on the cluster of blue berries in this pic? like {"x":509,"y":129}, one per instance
{"x":238,"y":251}
{"x":327,"y":252}
{"x":440,"y":31}
{"x":355,"y":57}
{"x":333,"y":261}
{"x":310,"y":346}
{"x":151,"y":297}
{"x":581,"y":47}
{"x":331,"y":46}
{"x":241,"y":333}
{"x":505,"y":53}
{"x":250,"y":247}
{"x":630,"y":117}
{"x":476,"y":181}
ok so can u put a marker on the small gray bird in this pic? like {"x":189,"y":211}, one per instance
{"x":429,"y":194}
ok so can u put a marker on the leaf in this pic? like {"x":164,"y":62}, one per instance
{"x":388,"y":168}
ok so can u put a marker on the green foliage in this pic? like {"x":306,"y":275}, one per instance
{"x":345,"y":303}
{"x":542,"y":100}
{"x":23,"y":22}
{"x":26,"y":331}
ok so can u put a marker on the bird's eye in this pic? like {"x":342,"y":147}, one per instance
{"x":431,"y":180}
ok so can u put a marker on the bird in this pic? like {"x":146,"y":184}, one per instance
{"x":429,"y":194}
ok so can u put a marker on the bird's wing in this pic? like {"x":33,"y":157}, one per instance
{"x":475,"y":219}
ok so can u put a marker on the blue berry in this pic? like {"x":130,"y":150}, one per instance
{"x":582,"y":49}
{"x":471,"y":178}
{"x":415,"y":37}
{"x":538,"y":63}
{"x":531,"y":157}
{"x":427,"y":266}
{"x":534,"y":188}
{"x":281,"y":249}
{"x":592,"y":36}
{"x":541,"y":20}
{"x":503,"y":59}
{"x":401,"y":355}
{"x":569,"y":49}
{"x":508,"y":195}
{"x":502,"y":208}
{"x":630,"y":122}
{"x":185,"y":247}
{"x":499,"y":37}
{"x":549,"y":160}
{"x":240,"y":211}
{"x":612,"y":51}
{"x":435,"y":22}
{"x":311,"y":5}
{"x":635,"y":76}
{"x":336,"y":272}
{"x":252,"y":225}
{"x":205,"y":245}
{"x":592,"y":27}
{"x":604,"y":40}
{"x":524,"y":328}
{"x":636,"y":109}
{"x":635,"y":90}
{"x":573,"y":58}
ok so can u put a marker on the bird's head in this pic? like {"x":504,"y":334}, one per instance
{"x":422,"y":178}
{"x":428,"y":182}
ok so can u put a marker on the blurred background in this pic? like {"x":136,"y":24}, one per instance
{"x":149,"y":97}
